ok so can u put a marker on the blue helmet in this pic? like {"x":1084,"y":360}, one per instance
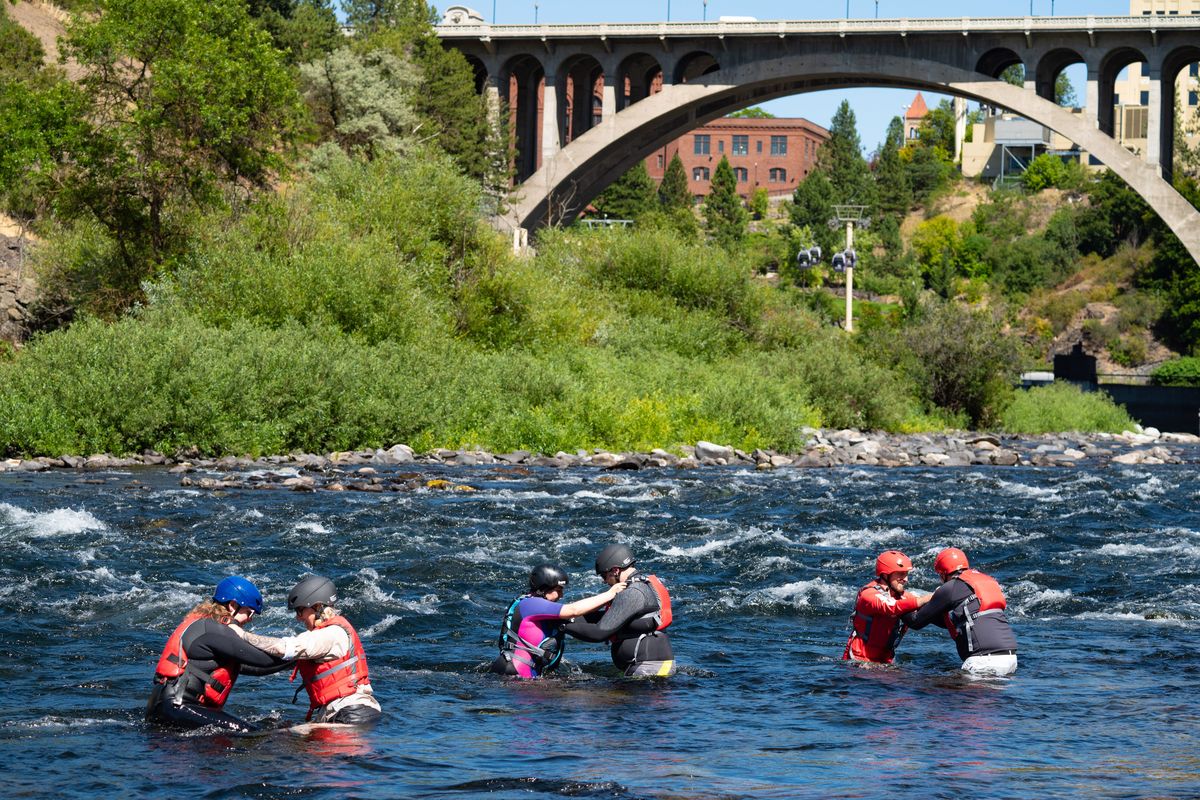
{"x":240,"y":591}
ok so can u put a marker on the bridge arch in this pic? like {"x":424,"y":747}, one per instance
{"x":695,"y":65}
{"x":995,"y":61}
{"x":638,"y":76}
{"x":1050,"y":66}
{"x":584,"y":168}
{"x":1110,"y":68}
{"x":580,"y":81}
{"x":522,"y":80}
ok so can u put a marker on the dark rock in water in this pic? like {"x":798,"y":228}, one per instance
{"x":625,"y":464}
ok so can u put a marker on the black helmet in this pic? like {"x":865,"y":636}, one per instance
{"x":546,"y":577}
{"x":313,"y":590}
{"x":615,"y":555}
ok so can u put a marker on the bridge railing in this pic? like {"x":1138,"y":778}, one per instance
{"x":840,"y":26}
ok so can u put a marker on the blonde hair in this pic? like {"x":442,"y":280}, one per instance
{"x":213,"y":610}
{"x":327,"y":613}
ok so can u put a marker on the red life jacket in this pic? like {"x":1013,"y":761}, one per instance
{"x":874,"y":637}
{"x":987,"y":592}
{"x":327,"y":681}
{"x":174,"y":662}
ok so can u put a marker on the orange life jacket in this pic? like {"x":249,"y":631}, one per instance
{"x":327,"y":681}
{"x":960,"y":620}
{"x":874,"y":637}
{"x":173,"y":663}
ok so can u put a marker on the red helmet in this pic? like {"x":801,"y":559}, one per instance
{"x":950,"y":560}
{"x":891,"y":561}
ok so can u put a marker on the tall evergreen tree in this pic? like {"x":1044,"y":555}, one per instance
{"x":454,"y":114}
{"x":841,"y":158}
{"x":812,"y":206}
{"x":673,"y":192}
{"x":631,"y":196}
{"x":895,"y":191}
{"x":724,"y":213}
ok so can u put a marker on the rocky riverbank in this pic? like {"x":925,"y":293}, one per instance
{"x":375,"y":470}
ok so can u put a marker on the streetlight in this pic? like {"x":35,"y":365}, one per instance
{"x":876,"y":9}
{"x":535,"y":10}
{"x":668,"y":10}
{"x":493,"y":12}
{"x":706,"y":10}
{"x":851,"y":216}
{"x":847,"y":9}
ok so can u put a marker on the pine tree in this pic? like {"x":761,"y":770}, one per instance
{"x":891,"y":178}
{"x":673,"y":192}
{"x":724,"y":213}
{"x":631,"y":196}
{"x":812,"y":206}
{"x":841,"y":158}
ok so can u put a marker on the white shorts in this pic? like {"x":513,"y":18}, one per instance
{"x":995,"y":664}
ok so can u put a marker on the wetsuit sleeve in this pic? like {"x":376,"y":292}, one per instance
{"x":876,"y":604}
{"x":540,"y":607}
{"x":259,"y":671}
{"x":935,"y":610}
{"x":625,"y":606}
{"x":226,"y":645}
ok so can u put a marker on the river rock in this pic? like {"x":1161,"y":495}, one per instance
{"x":713,"y":451}
{"x":934,"y":459}
{"x":688,"y":462}
{"x":396,"y":454}
{"x":515,"y":457}
{"x":780,"y":461}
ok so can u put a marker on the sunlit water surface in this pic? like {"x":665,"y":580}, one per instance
{"x":1101,"y":567}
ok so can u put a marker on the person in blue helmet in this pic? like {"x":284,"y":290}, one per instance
{"x":203,"y":659}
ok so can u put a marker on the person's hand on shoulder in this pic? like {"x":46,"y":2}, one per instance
{"x":922,"y":599}
{"x":617,"y":588}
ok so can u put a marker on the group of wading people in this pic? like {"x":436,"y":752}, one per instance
{"x":211,"y":648}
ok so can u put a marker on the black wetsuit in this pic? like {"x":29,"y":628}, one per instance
{"x":209,"y":645}
{"x":992,"y":632}
{"x":630,"y":623}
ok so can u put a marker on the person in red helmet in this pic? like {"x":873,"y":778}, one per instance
{"x":877,"y":628}
{"x":970,"y":605}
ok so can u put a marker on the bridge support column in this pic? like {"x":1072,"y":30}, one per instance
{"x":608,"y":107}
{"x":551,"y":143}
{"x":1092,"y":99}
{"x":1154,"y":123}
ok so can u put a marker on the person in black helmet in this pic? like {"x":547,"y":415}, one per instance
{"x":635,"y":622}
{"x":329,"y":656}
{"x":531,"y":638}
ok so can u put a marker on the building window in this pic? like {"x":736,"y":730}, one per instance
{"x":699,"y":173}
{"x":778,"y":175}
{"x":1145,"y":98}
{"x":741,"y":145}
{"x":779,"y":145}
{"x":758,"y":143}
{"x":1193,"y":98}
{"x":720,"y":145}
{"x":742,"y":174}
{"x":1194,"y":69}
{"x":660,"y":160}
{"x":702,"y":144}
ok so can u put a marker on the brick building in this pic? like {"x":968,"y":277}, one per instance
{"x":775,"y":154}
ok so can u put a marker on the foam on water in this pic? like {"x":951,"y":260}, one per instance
{"x":58,"y":522}
{"x":858,"y":537}
{"x":815,"y":593}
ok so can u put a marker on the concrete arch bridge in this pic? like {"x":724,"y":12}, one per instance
{"x":587,"y":102}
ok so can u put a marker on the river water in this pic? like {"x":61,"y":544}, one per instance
{"x":1101,"y":567}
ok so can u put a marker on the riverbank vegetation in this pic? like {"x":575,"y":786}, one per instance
{"x":319,"y":274}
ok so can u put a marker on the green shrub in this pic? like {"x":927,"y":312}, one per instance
{"x":1064,"y":407}
{"x":1180,"y":372}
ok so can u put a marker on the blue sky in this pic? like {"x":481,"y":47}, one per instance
{"x":873,"y":107}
